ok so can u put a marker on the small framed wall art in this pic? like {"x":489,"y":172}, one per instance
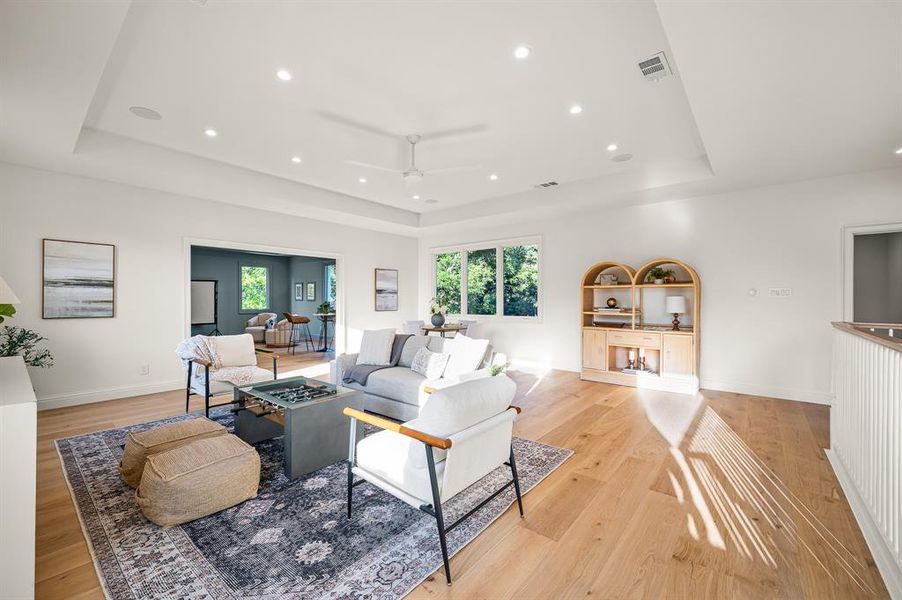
{"x":386,"y":289}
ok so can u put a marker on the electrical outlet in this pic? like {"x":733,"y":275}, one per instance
{"x":779,"y":292}
{"x":144,"y":370}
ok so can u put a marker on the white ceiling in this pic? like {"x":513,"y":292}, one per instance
{"x":779,"y":91}
{"x":367,"y":74}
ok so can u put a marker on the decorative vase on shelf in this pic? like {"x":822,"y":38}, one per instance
{"x":659,"y":281}
{"x":438,"y":319}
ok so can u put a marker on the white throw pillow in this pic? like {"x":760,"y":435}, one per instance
{"x":465,"y":353}
{"x":375,"y":348}
{"x":429,"y":364}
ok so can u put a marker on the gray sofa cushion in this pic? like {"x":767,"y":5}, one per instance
{"x":397,"y":383}
{"x":411,"y":347}
{"x":436,"y":343}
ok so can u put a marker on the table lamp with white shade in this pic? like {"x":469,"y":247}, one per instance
{"x":675,"y":305}
{"x":7,"y":299}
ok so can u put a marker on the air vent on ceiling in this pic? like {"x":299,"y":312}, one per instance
{"x":655,"y":68}
{"x":546,"y":184}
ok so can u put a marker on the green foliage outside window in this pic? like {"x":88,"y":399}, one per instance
{"x":447,"y":281}
{"x":481,"y":287}
{"x":254,"y":288}
{"x":521,"y":281}
{"x":330,"y":283}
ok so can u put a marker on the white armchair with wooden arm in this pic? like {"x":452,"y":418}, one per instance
{"x":233,"y":351}
{"x":463,"y":433}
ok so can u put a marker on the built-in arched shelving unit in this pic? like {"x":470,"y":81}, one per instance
{"x":618,"y":341}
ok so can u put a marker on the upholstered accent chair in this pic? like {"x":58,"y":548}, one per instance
{"x":237,"y":357}
{"x":279,"y":336}
{"x":463,"y":433}
{"x":413,"y":327}
{"x":467,"y":325}
{"x":256,"y":326}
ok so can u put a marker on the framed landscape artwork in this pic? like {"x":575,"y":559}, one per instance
{"x":78,"y":280}
{"x":311,"y":291}
{"x":386,"y":289}
{"x":299,"y":291}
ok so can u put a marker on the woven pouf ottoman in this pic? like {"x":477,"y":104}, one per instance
{"x":141,"y":444}
{"x":198,"y":479}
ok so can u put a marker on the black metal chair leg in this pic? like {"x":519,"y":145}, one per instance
{"x":188,"y":388}
{"x":437,"y":508}
{"x":207,"y":394}
{"x":350,"y":487}
{"x":308,"y":338}
{"x":516,"y":481}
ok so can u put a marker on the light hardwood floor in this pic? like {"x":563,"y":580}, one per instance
{"x":724,"y":496}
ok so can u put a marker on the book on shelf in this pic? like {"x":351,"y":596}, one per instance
{"x":629,"y":371}
{"x":616,"y":309}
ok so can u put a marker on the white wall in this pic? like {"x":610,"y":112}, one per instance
{"x":99,"y":359}
{"x":779,"y":236}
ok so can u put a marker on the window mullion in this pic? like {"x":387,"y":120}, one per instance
{"x":499,"y":281}
{"x":464,"y":259}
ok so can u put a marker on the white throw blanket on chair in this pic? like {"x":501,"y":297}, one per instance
{"x":201,"y":347}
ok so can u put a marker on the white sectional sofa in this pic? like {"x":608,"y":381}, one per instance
{"x":398,"y":392}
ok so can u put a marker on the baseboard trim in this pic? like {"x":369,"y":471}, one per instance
{"x":91,"y":396}
{"x":883,"y":556}
{"x":812,"y":397}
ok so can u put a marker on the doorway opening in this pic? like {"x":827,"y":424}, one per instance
{"x":873,"y":274}
{"x":288,"y":300}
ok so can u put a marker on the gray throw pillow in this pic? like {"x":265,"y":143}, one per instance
{"x":411,"y":347}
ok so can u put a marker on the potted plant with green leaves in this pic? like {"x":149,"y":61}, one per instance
{"x":18,"y":341}
{"x":658,"y":275}
{"x":438,"y":311}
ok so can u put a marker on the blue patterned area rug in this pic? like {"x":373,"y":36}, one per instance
{"x":292,"y":541}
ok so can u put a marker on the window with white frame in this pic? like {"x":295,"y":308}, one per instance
{"x":494,"y":278}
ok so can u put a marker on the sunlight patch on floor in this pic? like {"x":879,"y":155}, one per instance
{"x":736,"y":496}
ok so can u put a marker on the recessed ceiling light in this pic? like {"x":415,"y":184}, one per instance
{"x":493,"y":177}
{"x":576,"y":109}
{"x":898,"y":150}
{"x":283,"y":75}
{"x":431,"y":201}
{"x":145,"y":113}
{"x":210,"y":132}
{"x":416,"y":197}
{"x":296,"y":159}
{"x":622,"y":157}
{"x":612,"y":147}
{"x":522,"y":51}
{"x":362,"y":180}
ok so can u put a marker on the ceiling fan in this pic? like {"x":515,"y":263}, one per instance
{"x":412,"y":174}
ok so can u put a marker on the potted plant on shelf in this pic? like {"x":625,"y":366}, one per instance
{"x":658,"y":275}
{"x":438,"y":312}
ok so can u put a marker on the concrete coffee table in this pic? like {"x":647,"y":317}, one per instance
{"x":307,"y":412}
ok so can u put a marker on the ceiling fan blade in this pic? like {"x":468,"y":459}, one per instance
{"x":367,"y":165}
{"x":354,"y":124}
{"x":456,"y":131}
{"x":453,"y":169}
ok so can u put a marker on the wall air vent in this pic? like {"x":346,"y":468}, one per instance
{"x":546,"y":184}
{"x":655,"y":68}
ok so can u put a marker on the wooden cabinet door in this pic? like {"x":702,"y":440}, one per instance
{"x":594,"y":350}
{"x":678,"y":356}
